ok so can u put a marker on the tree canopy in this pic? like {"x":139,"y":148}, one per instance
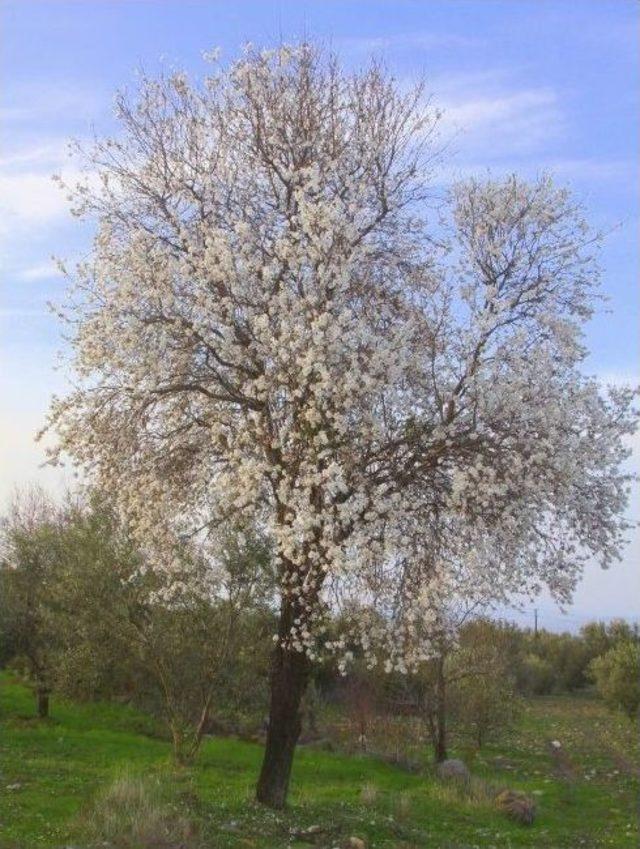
{"x":273,"y":325}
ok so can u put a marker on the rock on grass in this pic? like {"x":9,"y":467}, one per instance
{"x":453,"y":768}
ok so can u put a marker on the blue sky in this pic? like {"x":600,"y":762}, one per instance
{"x":524,"y":86}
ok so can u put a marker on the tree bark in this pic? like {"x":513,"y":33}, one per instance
{"x":42,"y":698}
{"x":289,"y":679}
{"x":441,"y":714}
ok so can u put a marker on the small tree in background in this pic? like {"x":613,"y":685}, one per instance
{"x":190,"y":632}
{"x":28,"y":571}
{"x":599,"y":637}
{"x":434,"y":703}
{"x":537,"y":675}
{"x":268,"y":328}
{"x":470,"y":682}
{"x":96,"y":562}
{"x":617,"y":677}
{"x":482,"y":688}
{"x":83,"y":616}
{"x":362,"y":697}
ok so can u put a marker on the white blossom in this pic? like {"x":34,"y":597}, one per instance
{"x":267,"y":329}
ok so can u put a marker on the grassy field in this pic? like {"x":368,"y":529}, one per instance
{"x":53,"y":776}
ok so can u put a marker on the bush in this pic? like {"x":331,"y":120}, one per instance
{"x":537,"y":676}
{"x":617,"y":677}
{"x":80,"y":617}
{"x":482,"y":693}
{"x":517,"y":806}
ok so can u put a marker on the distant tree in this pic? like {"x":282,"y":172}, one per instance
{"x":434,"y":704}
{"x":482,"y":683}
{"x":267,"y":328}
{"x":554,"y":662}
{"x":599,"y":637}
{"x":190,"y":632}
{"x":559,"y":663}
{"x":617,"y":677}
{"x":179,"y":634}
{"x":537,"y":675}
{"x":27,"y":574}
{"x":361,"y":699}
{"x":470,"y":682}
{"x":596,"y":638}
{"x":83,"y":615}
{"x":96,"y":566}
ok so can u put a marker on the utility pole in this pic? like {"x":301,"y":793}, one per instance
{"x":535,"y":622}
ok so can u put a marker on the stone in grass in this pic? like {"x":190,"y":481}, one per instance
{"x":516,"y":805}
{"x":356,"y":843}
{"x":308,"y":833}
{"x":454,"y":768}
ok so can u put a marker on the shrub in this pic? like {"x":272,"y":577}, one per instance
{"x":617,"y":677}
{"x":517,"y":806}
{"x":537,"y":676}
{"x":481,"y":684}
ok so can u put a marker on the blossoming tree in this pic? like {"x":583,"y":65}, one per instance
{"x":267,"y":328}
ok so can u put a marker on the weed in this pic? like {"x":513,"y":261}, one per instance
{"x":131,"y":812}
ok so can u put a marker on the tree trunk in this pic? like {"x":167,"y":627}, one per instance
{"x":441,"y":714}
{"x":289,"y":678}
{"x":42,"y":697}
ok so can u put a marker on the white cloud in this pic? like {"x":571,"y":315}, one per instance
{"x":490,"y":115}
{"x":31,"y":102}
{"x":22,"y":458}
{"x":28,"y":194}
{"x":30,"y":197}
{"x":40,"y":271}
{"x":489,"y":125}
{"x":620,"y":378}
{"x":587,"y":171}
{"x":480,"y":112}
{"x":20,"y":312}
{"x":27,"y":380}
{"x":594,"y":169}
{"x":46,"y":153}
{"x":413,"y":40}
{"x":33,"y":209}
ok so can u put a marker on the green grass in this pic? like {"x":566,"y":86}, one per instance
{"x":586,"y":797}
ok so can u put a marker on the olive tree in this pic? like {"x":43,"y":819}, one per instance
{"x":617,"y":676}
{"x":190,"y":633}
{"x":28,"y":569}
{"x":269,"y":327}
{"x":165,"y":638}
{"x":482,"y":684}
